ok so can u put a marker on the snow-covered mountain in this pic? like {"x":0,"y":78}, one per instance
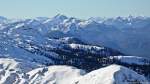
{"x":2,"y":18}
{"x":11,"y":69}
{"x":129,"y":35}
{"x":86,"y":44}
{"x":112,"y":74}
{"x":15,"y":71}
{"x":23,"y":72}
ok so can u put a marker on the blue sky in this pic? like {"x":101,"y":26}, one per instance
{"x":76,"y":8}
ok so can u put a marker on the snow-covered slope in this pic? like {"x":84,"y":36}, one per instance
{"x":2,"y":19}
{"x":23,"y":72}
{"x":132,"y":60}
{"x":55,"y":75}
{"x":129,"y":35}
{"x":14,"y":71}
{"x":17,"y":64}
{"x":113,"y":74}
{"x":86,"y":44}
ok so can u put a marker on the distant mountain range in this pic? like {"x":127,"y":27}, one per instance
{"x":38,"y":43}
{"x":129,"y":35}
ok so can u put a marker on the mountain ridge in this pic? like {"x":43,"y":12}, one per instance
{"x":86,"y":44}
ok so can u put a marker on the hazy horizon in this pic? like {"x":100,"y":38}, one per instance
{"x":75,"y":8}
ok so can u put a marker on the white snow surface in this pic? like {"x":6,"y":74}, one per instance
{"x":75,"y":46}
{"x":133,"y":60}
{"x":15,"y":71}
{"x":113,"y":74}
{"x":55,"y":75}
